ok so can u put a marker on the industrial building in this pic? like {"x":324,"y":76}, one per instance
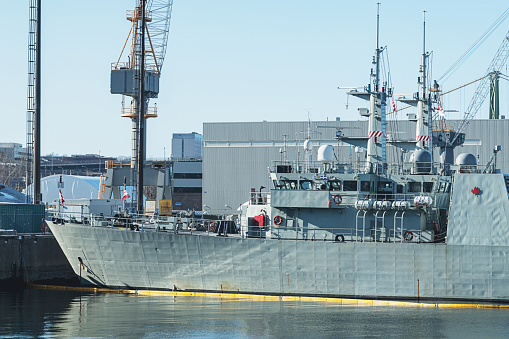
{"x":185,"y":146}
{"x":236,"y":155}
{"x":12,"y":151}
{"x":187,"y":185}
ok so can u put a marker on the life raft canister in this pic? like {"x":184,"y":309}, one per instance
{"x":337,"y":199}
{"x":278,"y":220}
{"x":408,"y":236}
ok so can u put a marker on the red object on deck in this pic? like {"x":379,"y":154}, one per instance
{"x":260,"y":219}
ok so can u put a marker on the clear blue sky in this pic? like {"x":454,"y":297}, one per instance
{"x":230,"y":61}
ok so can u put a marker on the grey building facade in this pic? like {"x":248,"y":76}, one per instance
{"x":185,"y":146}
{"x":187,"y":185}
{"x":236,"y":155}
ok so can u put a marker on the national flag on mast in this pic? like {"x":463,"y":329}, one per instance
{"x":441,"y":111}
{"x":125,"y":195}
{"x":60,"y":196}
{"x":393,"y":106}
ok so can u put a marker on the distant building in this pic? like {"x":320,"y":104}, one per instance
{"x":187,"y":185}
{"x":11,"y":151}
{"x":185,"y":146}
{"x":78,"y":164}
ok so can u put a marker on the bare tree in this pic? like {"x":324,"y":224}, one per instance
{"x":11,"y":171}
{"x":150,"y":192}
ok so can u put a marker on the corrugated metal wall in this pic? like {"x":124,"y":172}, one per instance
{"x":23,"y":218}
{"x":236,"y":155}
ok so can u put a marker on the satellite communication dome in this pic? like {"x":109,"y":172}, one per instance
{"x":466,"y":159}
{"x":420,"y":156}
{"x":325,"y":153}
{"x":422,"y":161}
{"x":308,"y":145}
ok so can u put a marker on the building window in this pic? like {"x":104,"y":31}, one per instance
{"x":187,"y":190}
{"x":187,"y":175}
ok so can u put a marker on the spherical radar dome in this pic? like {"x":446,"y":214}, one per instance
{"x":466,"y":159}
{"x":325,"y":153}
{"x":421,"y":156}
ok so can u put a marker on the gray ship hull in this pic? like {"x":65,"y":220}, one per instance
{"x":159,"y":260}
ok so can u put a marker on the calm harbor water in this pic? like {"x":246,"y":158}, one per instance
{"x":49,"y":314}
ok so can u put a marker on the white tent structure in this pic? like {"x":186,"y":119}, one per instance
{"x":74,"y":187}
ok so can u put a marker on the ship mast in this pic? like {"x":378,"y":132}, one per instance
{"x":376,"y":94}
{"x":423,"y":126}
{"x":376,"y":108}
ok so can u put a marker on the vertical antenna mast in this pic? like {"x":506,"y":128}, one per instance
{"x":33,"y":136}
{"x":424,"y":55}
{"x":141,"y":115}
{"x":377,"y":69}
{"x":37,"y":113}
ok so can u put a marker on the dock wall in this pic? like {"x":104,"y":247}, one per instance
{"x":33,"y":257}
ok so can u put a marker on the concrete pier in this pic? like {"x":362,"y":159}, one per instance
{"x":33,"y":257}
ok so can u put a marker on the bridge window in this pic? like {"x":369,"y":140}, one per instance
{"x":320,"y":186}
{"x":366,"y":186}
{"x":288,"y":184}
{"x":399,"y":188}
{"x":414,"y":187}
{"x":350,"y":185}
{"x":427,"y":187}
{"x":334,"y":185}
{"x":385,"y":185}
{"x":305,"y":185}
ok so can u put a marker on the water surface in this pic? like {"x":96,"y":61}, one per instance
{"x":49,"y":314}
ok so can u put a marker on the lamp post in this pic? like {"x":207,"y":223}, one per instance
{"x":260,"y":199}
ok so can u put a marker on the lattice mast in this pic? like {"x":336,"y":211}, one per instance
{"x":150,"y":22}
{"x":33,"y":116}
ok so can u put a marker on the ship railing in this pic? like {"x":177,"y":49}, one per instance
{"x":220,"y":227}
{"x":334,"y":234}
{"x":188,"y":224}
{"x":259,"y":198}
{"x":356,"y":167}
{"x":115,"y":66}
{"x":363,"y":167}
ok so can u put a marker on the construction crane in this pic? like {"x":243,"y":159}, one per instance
{"x":150,"y":25}
{"x":482,"y":90}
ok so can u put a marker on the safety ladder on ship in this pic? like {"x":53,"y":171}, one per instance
{"x":400,"y":229}
{"x":363,"y":218}
{"x":379,"y":230}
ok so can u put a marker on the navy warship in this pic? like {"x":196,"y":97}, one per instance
{"x":365,"y":229}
